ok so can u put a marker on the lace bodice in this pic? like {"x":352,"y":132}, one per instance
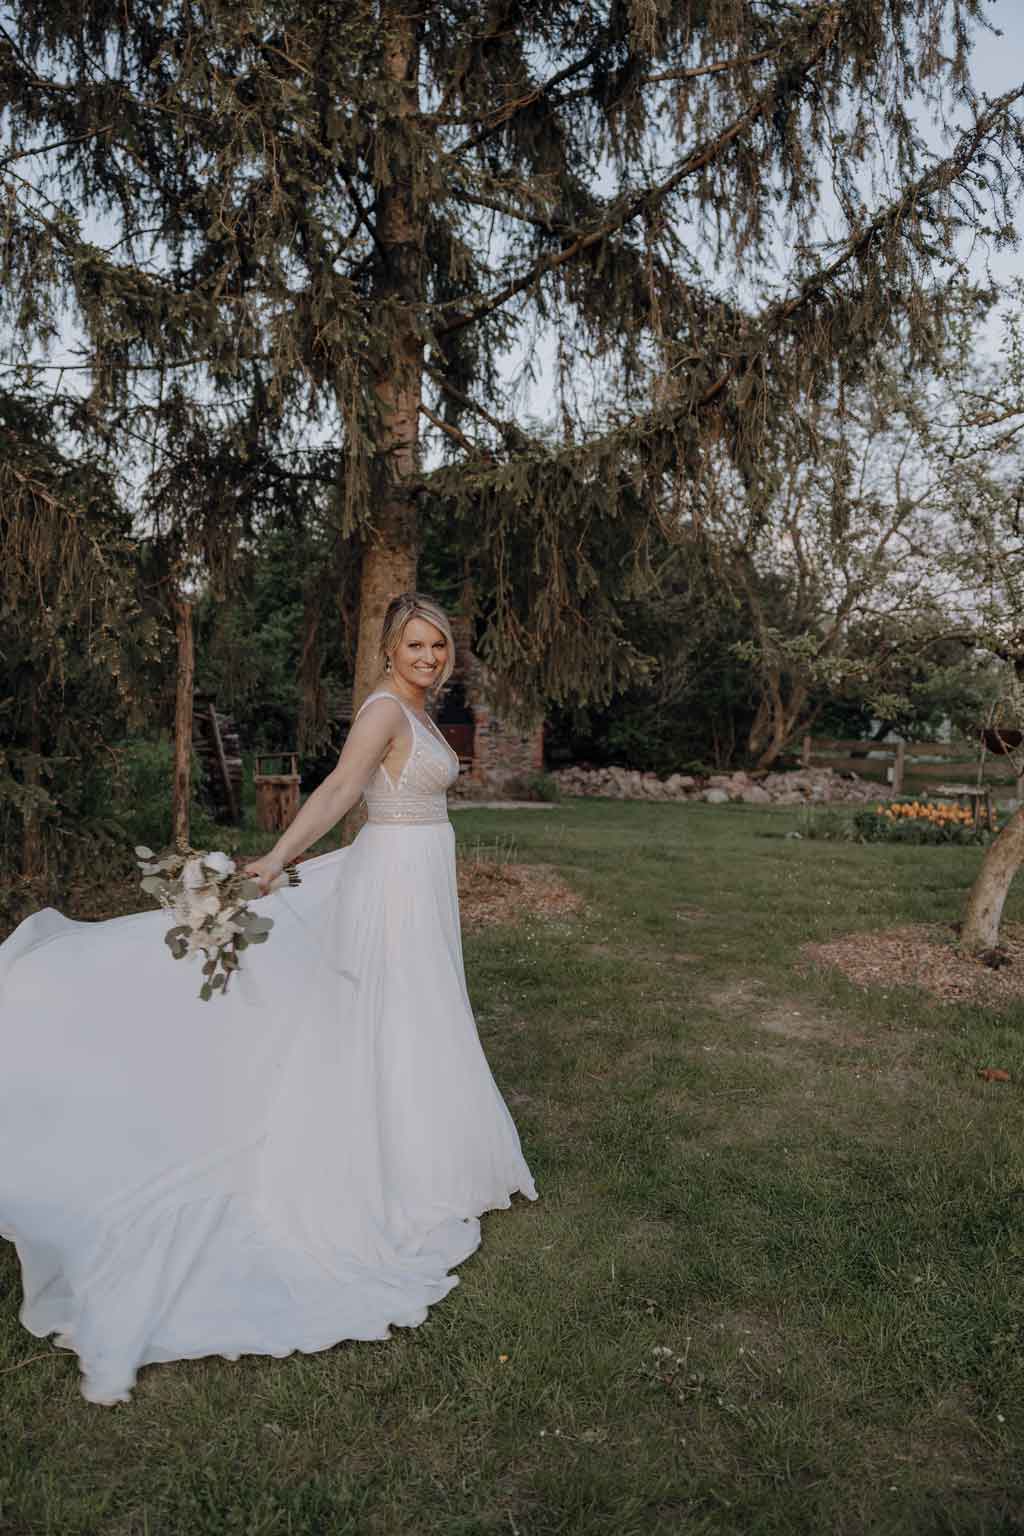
{"x":419,"y":794}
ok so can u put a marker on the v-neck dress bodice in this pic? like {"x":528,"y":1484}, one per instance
{"x":419,"y":795}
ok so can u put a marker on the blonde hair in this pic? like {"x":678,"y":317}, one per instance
{"x":414,"y":605}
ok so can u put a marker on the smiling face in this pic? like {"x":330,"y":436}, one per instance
{"x":418,"y":659}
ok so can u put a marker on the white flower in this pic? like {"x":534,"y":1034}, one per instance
{"x":192,"y":877}
{"x":221,"y":865}
{"x":209,"y":904}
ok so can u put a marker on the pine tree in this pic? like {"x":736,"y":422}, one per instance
{"x":77,"y":638}
{"x":294,"y":236}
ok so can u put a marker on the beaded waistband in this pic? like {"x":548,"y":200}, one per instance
{"x":407,"y":821}
{"x":406,"y":810}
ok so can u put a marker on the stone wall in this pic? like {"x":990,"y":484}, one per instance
{"x":815,"y":785}
{"x":500,"y":750}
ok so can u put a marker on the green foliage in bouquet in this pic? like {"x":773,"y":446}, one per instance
{"x":209,"y":897}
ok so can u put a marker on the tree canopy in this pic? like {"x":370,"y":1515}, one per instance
{"x":297,"y":243}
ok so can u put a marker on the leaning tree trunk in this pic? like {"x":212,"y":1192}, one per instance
{"x":182,"y":795}
{"x":390,"y":557}
{"x":782,"y":716}
{"x":985,"y":903}
{"x":33,"y":857}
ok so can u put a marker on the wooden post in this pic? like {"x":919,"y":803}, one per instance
{"x":183,"y":722}
{"x":805,"y":756}
{"x":898,"y":768}
{"x":218,"y":746}
{"x":277,"y":794}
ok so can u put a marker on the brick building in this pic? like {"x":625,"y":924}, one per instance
{"x":490,"y":748}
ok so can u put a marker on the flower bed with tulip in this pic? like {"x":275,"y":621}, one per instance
{"x":917,"y":821}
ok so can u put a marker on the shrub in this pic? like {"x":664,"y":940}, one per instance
{"x":544,"y":786}
{"x":515,"y":786}
{"x":831,"y":826}
{"x":142,"y":797}
{"x":918,"y":822}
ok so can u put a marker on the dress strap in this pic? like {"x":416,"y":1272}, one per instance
{"x":382,"y":693}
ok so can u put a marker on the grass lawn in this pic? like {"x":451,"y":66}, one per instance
{"x":774,"y":1284}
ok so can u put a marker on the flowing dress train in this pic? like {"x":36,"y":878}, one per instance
{"x":300,"y":1162}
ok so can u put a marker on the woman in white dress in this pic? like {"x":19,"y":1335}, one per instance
{"x":300,"y":1162}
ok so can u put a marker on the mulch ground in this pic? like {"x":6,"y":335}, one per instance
{"x":926,"y":956}
{"x":501,"y":893}
{"x":489,"y":892}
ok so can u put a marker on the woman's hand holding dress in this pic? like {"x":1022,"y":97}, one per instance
{"x":368,"y":743}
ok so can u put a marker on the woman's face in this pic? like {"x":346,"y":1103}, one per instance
{"x":420,"y":655}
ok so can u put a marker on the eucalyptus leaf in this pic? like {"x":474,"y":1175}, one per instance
{"x":180,"y":951}
{"x":258,"y":938}
{"x":142,"y":852}
{"x":249,"y":890}
{"x":241,"y":942}
{"x":244,"y":919}
{"x":218,"y":982}
{"x":152,"y":885}
{"x":205,"y":992}
{"x":258,"y":925}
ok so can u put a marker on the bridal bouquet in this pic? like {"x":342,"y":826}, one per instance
{"x":209,"y":897}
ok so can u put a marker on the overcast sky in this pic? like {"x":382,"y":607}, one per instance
{"x":997,"y":65}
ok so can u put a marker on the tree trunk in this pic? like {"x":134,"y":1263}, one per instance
{"x":390,"y":558}
{"x":759,"y":727}
{"x":33,"y":859}
{"x":988,"y":894}
{"x":783,"y":719}
{"x":182,"y":795}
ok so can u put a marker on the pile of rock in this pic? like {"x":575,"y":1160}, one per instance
{"x":814,"y":785}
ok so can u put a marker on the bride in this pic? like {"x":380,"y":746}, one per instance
{"x":302,"y":1161}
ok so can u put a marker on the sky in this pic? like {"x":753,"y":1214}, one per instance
{"x":997,"y":65}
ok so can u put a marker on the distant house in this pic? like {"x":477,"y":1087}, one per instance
{"x":489,"y":748}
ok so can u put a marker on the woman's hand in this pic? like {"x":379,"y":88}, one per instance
{"x":265,"y":871}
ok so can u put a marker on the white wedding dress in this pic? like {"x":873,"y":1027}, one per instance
{"x":300,"y":1162}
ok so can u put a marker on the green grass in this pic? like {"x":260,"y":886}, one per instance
{"x":773,"y":1284}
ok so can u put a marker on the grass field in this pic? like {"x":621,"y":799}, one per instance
{"x":774,"y":1284}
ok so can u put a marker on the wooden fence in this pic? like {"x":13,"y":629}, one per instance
{"x":927,"y":763}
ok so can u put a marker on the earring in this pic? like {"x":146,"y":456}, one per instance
{"x":387,"y":663}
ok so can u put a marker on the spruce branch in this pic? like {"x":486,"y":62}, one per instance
{"x":512,"y":434}
{"x":453,"y":432}
{"x":643,"y":201}
{"x":889,"y":219}
{"x":511,"y":109}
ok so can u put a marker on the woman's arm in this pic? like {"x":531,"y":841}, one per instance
{"x":368,"y":743}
